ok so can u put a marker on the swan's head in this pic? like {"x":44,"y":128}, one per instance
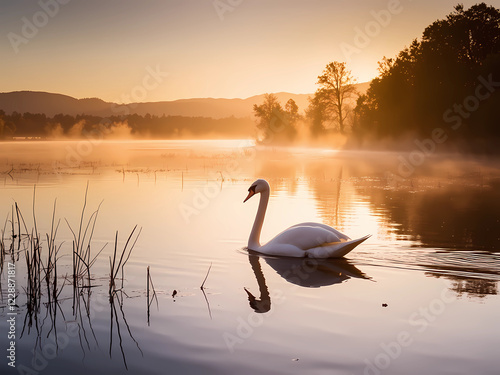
{"x":258,"y":186}
{"x":262,"y":305}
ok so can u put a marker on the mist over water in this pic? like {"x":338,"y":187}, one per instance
{"x":116,"y":131}
{"x":420,"y":296}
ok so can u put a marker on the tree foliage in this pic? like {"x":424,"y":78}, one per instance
{"x":336,"y":87}
{"x":7,"y":128}
{"x":292,"y":112}
{"x":316,"y":113}
{"x":277,"y":125}
{"x":434,"y":82}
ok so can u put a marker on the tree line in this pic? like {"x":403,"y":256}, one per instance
{"x":449,"y":80}
{"x":147,"y":126}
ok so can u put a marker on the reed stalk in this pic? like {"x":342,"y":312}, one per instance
{"x":116,"y":268}
{"x":150,"y":301}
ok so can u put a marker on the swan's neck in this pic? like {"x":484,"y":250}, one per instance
{"x":254,"y":240}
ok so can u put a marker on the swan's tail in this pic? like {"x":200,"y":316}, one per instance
{"x":335,"y":250}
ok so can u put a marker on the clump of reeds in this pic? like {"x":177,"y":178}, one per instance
{"x":50,"y":268}
{"x":34,"y":269}
{"x":42,"y":267}
{"x":15,"y":237}
{"x":81,"y":254}
{"x":53,"y":250}
{"x":32,"y":248}
{"x":116,"y":268}
{"x":33,"y":266}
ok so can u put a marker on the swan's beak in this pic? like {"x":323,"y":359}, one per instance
{"x":250,"y":194}
{"x":251,"y":297}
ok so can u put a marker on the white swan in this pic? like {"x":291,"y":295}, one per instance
{"x":311,"y":240}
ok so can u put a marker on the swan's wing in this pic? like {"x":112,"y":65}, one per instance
{"x":304,"y":237}
{"x":335,"y":250}
{"x":282,"y":250}
{"x":340,"y":235}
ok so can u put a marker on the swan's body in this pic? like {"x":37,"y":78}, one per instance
{"x":312,"y":240}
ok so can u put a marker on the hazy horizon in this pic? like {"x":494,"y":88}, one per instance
{"x":170,"y":100}
{"x":165,"y":51}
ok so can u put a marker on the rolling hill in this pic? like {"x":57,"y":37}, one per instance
{"x":52,"y":104}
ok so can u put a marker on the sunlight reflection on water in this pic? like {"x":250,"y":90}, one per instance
{"x":433,"y":233}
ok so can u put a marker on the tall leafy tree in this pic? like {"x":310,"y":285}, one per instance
{"x":336,"y":87}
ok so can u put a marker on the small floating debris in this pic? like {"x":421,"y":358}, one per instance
{"x":384,"y":305}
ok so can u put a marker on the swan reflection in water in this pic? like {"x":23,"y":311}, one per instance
{"x":304,"y":272}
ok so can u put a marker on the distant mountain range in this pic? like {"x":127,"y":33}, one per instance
{"x":51,"y":104}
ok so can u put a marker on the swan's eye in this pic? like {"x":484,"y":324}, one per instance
{"x":252,"y":188}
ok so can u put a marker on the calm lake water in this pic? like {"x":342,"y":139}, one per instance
{"x":419,"y":297}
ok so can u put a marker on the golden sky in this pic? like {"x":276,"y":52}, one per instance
{"x":153,"y":50}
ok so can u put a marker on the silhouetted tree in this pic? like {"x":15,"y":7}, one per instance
{"x":336,"y":87}
{"x":316,"y":113}
{"x":276,"y":124}
{"x":292,"y":112}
